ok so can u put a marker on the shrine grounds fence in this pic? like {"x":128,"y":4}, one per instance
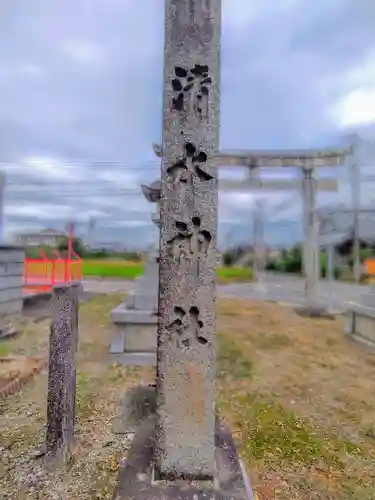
{"x":43,"y":274}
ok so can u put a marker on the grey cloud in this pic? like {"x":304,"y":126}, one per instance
{"x":282,"y":71}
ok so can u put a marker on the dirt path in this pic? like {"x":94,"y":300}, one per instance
{"x":297,"y":393}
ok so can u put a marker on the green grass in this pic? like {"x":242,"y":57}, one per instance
{"x":273,"y":437}
{"x":85,"y":400}
{"x":4,"y":349}
{"x":271,"y":432}
{"x":131,"y":270}
{"x":234,"y":274}
{"x":112,"y":269}
{"x":232,"y":363}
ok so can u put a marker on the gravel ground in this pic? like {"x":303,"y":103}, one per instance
{"x":97,"y":451}
{"x":297,"y":394}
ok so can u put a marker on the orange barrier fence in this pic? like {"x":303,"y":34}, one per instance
{"x":43,"y":274}
{"x":370,"y":267}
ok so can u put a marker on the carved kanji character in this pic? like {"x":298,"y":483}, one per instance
{"x":191,"y":89}
{"x":191,"y":164}
{"x":191,"y":240}
{"x":188,"y":327}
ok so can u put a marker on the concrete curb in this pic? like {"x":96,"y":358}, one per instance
{"x":16,"y":384}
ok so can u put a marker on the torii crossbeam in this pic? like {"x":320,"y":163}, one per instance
{"x":305,"y":159}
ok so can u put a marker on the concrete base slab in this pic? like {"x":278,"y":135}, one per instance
{"x":314,"y":312}
{"x":138,"y":479}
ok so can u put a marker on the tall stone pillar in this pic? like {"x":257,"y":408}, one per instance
{"x":188,"y":215}
{"x":182,"y":451}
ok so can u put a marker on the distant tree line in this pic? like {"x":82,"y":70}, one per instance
{"x":291,"y":260}
{"x":81,"y":250}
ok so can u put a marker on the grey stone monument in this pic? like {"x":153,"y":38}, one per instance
{"x":135,"y":320}
{"x":182,"y":451}
{"x":62,"y":372}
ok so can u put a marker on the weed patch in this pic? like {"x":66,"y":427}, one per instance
{"x":5,"y":348}
{"x":270,"y":341}
{"x":231,"y":361}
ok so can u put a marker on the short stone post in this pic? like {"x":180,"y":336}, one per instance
{"x":62,"y":371}
{"x":76,"y":290}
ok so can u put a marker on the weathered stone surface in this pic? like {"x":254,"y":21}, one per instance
{"x":145,"y":302}
{"x":137,"y":405}
{"x":152,"y":193}
{"x":134,"y":336}
{"x":12,"y":273}
{"x":62,"y":370}
{"x":188,"y":223}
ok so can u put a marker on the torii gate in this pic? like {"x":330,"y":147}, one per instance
{"x":307,"y":161}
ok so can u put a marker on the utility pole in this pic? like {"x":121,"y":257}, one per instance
{"x":355,"y":182}
{"x":70,"y":228}
{"x":311,"y":245}
{"x":90,"y":232}
{"x":356,"y":194}
{"x":259,"y":243}
{"x":330,"y":271}
{"x":2,"y":196}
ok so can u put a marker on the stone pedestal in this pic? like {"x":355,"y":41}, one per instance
{"x":12,"y":270}
{"x":135,"y":321}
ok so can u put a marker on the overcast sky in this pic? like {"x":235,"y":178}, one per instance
{"x":81,"y":91}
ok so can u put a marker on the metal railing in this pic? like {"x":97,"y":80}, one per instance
{"x":43,"y":273}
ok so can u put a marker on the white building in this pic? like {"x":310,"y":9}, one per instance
{"x":48,"y":237}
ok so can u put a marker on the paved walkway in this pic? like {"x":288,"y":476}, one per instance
{"x":275,"y":287}
{"x":107,"y":286}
